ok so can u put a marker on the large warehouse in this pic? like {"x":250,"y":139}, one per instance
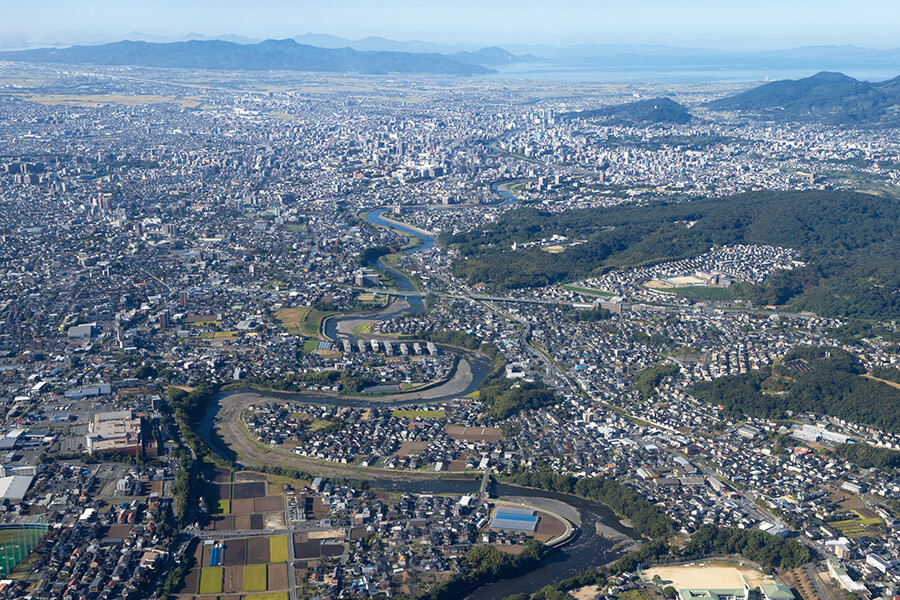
{"x":515,"y":519}
{"x":14,"y":487}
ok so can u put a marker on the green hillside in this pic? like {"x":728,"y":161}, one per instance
{"x":850,"y":240}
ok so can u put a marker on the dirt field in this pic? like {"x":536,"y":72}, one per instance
{"x":118,"y":531}
{"x":307,"y":549}
{"x":708,"y":576}
{"x":242,"y":522}
{"x":274,"y":520}
{"x":549,"y":527}
{"x":331,"y":534}
{"x":474,"y":434}
{"x":278,"y":579}
{"x":235,"y":552}
{"x":258,"y":549}
{"x":225,"y":523}
{"x":585,"y":593}
{"x":457,"y":466}
{"x":224,"y":490}
{"x":249,"y":476}
{"x":191,"y":582}
{"x":242,"y":507}
{"x":332,"y":549}
{"x":234,"y":580}
{"x":407,"y":448}
{"x":255,"y":489}
{"x":221,"y":475}
{"x":799,"y":582}
{"x":268,"y":504}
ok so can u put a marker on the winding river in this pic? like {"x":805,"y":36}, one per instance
{"x":599,"y":531}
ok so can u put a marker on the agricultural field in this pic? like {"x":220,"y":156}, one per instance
{"x":475,"y":434}
{"x":256,"y":578}
{"x":861,"y":526}
{"x":278,"y":548}
{"x":267,"y":596}
{"x":240,"y":566}
{"x":211,"y":579}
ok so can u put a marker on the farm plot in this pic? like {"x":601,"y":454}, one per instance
{"x":211,"y":580}
{"x":233,"y":580}
{"x":268,"y":504}
{"x":256,"y":578}
{"x":235,"y":552}
{"x":258,"y":550}
{"x":278,"y":577}
{"x":278,"y":548}
{"x":254,"y":489}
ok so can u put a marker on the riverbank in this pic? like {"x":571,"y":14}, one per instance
{"x":405,"y":225}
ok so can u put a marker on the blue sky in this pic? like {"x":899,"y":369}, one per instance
{"x":728,"y":24}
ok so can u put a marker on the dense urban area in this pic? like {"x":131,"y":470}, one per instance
{"x":276,"y":335}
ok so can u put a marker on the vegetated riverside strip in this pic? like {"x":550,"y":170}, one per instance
{"x":850,"y":240}
{"x":830,"y":383}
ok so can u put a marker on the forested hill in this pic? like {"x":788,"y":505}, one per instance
{"x":828,"y":97}
{"x":851,"y":241}
{"x":657,"y":110}
{"x":830,"y":383}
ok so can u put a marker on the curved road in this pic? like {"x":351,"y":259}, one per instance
{"x":229,"y":426}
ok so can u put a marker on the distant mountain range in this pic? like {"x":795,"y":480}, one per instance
{"x":377,"y":43}
{"x":656,"y":110}
{"x":268,"y":55}
{"x":825,"y":97}
{"x":812,"y":58}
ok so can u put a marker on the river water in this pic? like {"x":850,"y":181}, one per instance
{"x":402,"y":281}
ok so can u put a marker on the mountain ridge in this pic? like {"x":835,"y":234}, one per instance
{"x":284,"y":54}
{"x":827,"y":96}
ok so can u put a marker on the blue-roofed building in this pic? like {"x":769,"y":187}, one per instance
{"x":514,"y":519}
